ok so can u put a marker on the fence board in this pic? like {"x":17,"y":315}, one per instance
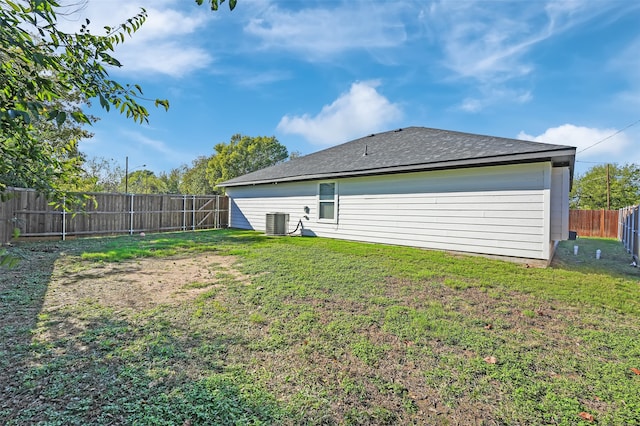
{"x":594,"y":223}
{"x":628,"y":232}
{"x":31,"y":213}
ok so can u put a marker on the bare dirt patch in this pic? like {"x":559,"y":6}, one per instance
{"x":139,"y":284}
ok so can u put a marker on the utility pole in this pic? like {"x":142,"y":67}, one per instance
{"x":126,"y":174}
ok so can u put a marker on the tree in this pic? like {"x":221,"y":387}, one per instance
{"x":173,"y":179}
{"x":295,"y":154}
{"x":621,"y":184}
{"x":40,"y":65}
{"x":242,"y":155}
{"x":145,"y":182}
{"x":99,"y":175}
{"x":194,"y":180}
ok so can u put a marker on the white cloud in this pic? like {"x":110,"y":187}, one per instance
{"x":319,"y":33}
{"x":612,"y":149}
{"x":170,"y":58}
{"x":256,"y":79}
{"x":147,"y":144}
{"x":483,"y":44}
{"x":360,"y":111}
{"x":161,"y":45}
{"x":489,"y":43}
{"x":493,"y":95}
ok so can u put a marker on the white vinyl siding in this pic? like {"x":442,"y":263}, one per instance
{"x":560,"y":204}
{"x":499,"y":210}
{"x":250,"y":205}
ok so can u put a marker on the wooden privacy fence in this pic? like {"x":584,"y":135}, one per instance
{"x":594,"y":223}
{"x":628,"y":232}
{"x":31,"y":214}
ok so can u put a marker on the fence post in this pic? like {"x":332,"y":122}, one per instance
{"x":627,"y":229}
{"x":184,"y":212}
{"x":619,"y":224}
{"x":625,"y":226}
{"x":634,"y":241}
{"x":216,"y":213}
{"x":64,"y":218}
{"x":131,"y":215}
{"x":193,"y":213}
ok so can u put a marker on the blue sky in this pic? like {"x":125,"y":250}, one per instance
{"x":319,"y":73}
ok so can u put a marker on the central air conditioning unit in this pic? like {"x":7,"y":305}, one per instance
{"x":277,"y":224}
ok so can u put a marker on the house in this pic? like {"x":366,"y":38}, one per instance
{"x":419,"y":187}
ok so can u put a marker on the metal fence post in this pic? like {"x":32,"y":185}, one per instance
{"x":193,"y":213}
{"x":216,"y":213}
{"x":184,"y":212}
{"x":131,"y":215}
{"x":64,"y":218}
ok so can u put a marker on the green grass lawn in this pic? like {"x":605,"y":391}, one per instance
{"x":298,"y":330}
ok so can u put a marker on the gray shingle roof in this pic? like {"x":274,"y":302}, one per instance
{"x":407,"y":150}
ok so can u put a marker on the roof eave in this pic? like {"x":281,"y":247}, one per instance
{"x":565,"y":155}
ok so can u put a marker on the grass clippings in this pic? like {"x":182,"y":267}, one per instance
{"x":232,"y":327}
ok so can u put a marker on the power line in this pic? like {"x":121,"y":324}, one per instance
{"x":593,"y":162}
{"x":609,"y":137}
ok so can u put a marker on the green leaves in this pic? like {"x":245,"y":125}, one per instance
{"x":244,"y":154}
{"x":162,"y":102}
{"x":214,"y":3}
{"x":619,"y":184}
{"x":44,"y":73}
{"x":7,"y":260}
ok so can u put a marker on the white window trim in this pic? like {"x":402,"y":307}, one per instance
{"x":335,"y":203}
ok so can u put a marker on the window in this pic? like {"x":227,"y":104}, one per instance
{"x":327,"y":205}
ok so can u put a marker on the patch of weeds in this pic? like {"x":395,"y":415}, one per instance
{"x":276,"y":338}
{"x":412,"y":324}
{"x":377,"y":416}
{"x":217,"y":348}
{"x":398,"y":390}
{"x":304,"y":323}
{"x":339,"y":331}
{"x":386,"y":387}
{"x":351,"y":386}
{"x":257,"y":318}
{"x":225,"y":276}
{"x":368,"y":352}
{"x":381,"y":301}
{"x":457,"y":284}
{"x":209,"y":294}
{"x":217,"y":399}
{"x":198,"y":313}
{"x":217,"y":306}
